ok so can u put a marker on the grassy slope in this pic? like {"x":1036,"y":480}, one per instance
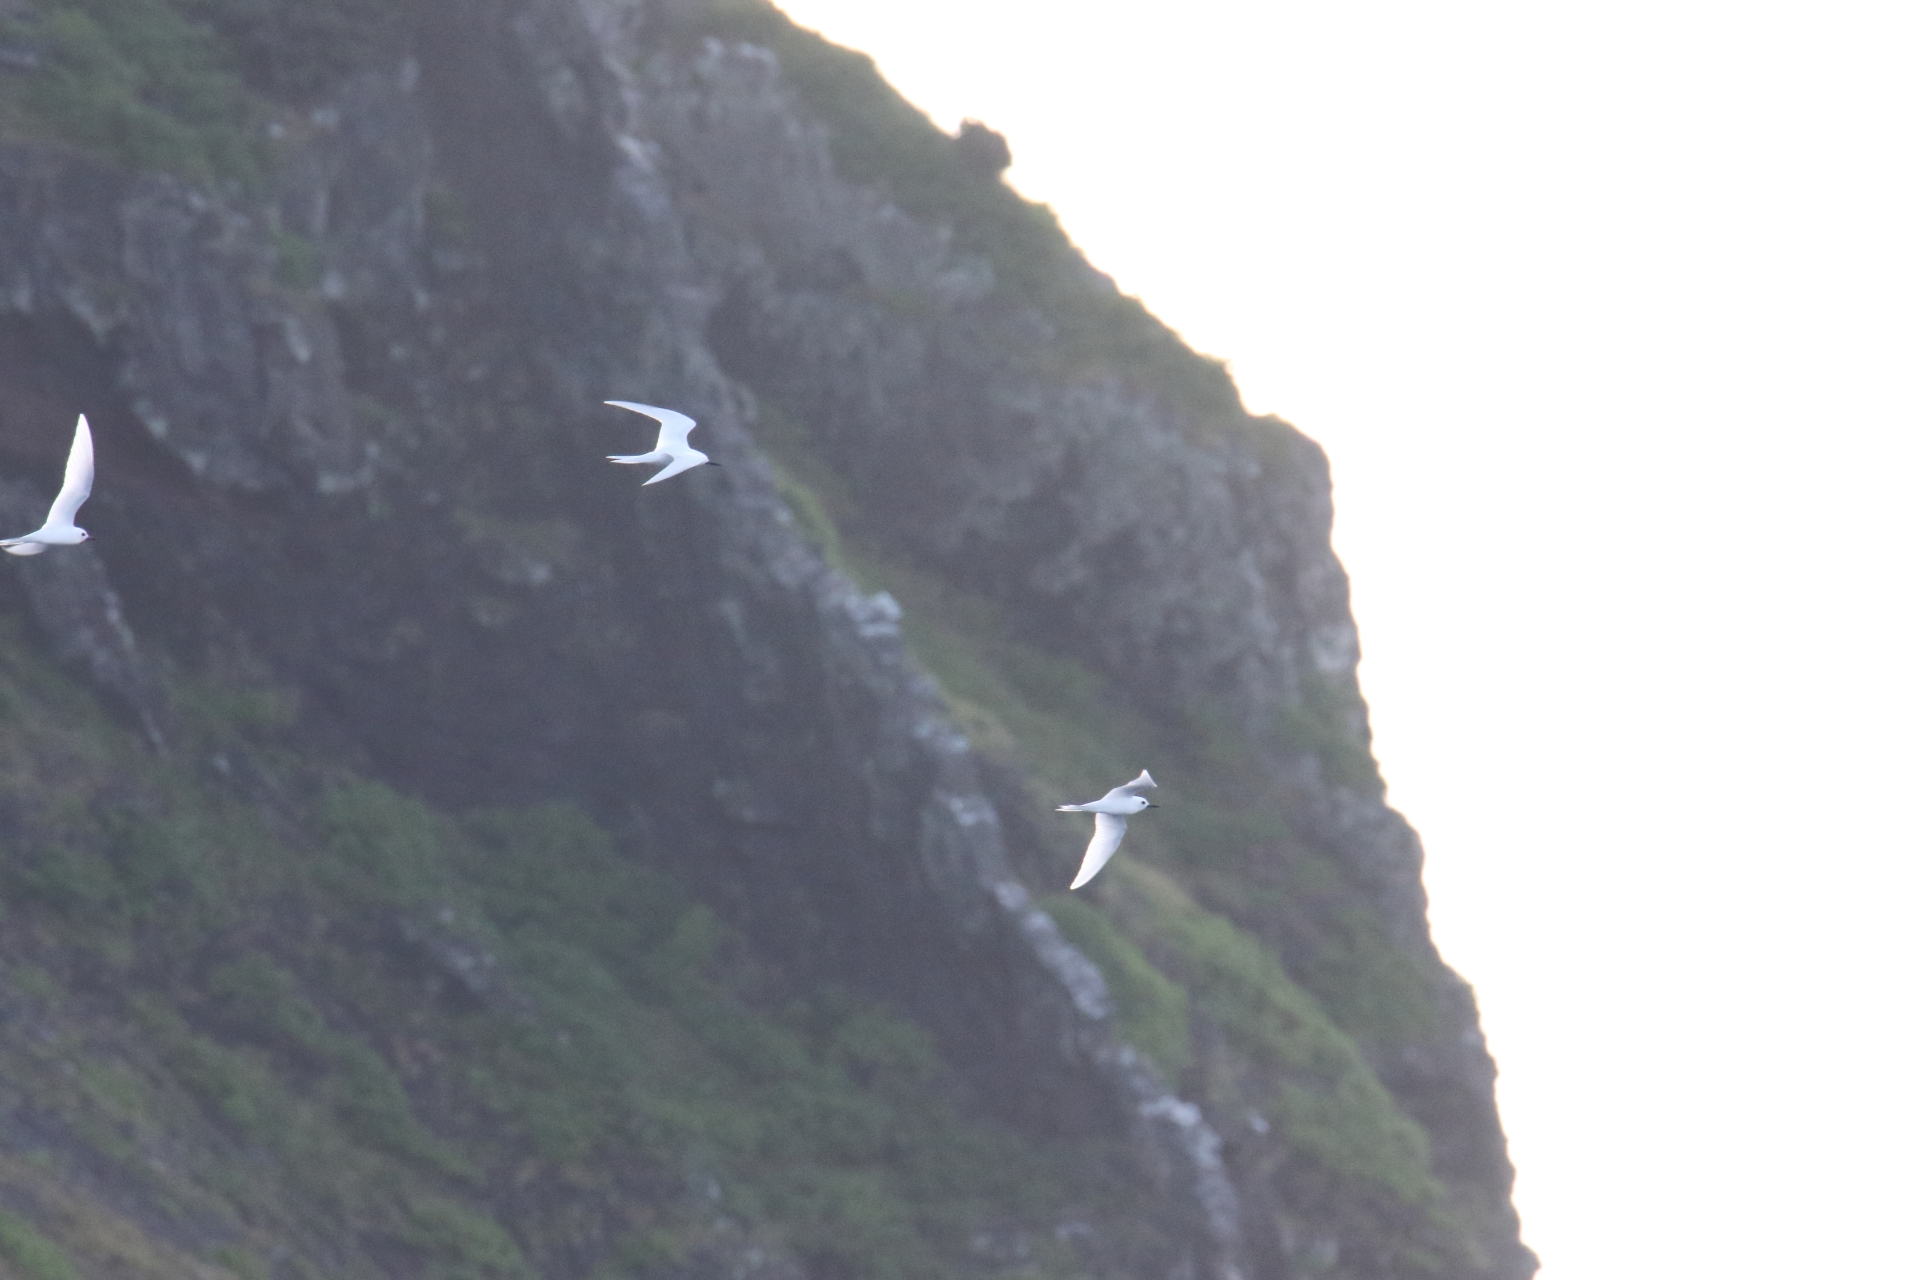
{"x":330,"y":1019}
{"x":1184,"y":976}
{"x":186,"y":86}
{"x":132,"y":81}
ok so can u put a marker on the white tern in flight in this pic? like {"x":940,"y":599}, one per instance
{"x":671,"y":448}
{"x":1110,"y":813}
{"x":59,"y":530}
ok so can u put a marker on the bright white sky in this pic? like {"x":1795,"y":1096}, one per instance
{"x":1609,"y":316}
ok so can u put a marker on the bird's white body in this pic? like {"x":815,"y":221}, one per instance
{"x":1110,"y":813}
{"x":60,"y":530}
{"x":671,"y":448}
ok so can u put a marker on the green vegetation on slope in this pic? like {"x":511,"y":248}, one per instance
{"x":330,"y":1019}
{"x":136,"y":82}
{"x":1205,"y":999}
{"x":183,"y":86}
{"x":32,"y":1252}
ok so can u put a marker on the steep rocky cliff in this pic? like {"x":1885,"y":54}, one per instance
{"x":427,"y":853}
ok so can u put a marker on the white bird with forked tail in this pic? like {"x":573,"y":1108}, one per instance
{"x":60,"y":530}
{"x":671,"y":448}
{"x":1110,"y":813}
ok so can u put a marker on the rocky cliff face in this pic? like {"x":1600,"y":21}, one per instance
{"x":462,"y":862}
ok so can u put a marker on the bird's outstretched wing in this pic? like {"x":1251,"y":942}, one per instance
{"x":683,"y":462}
{"x":673,"y":426}
{"x":1107,"y":831}
{"x":79,"y":481}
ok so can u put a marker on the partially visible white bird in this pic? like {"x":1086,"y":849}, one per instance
{"x":59,"y":530}
{"x":1110,"y":813}
{"x":671,"y":448}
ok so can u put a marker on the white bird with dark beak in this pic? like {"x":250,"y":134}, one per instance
{"x":1110,"y":813}
{"x":671,"y":448}
{"x":60,"y":530}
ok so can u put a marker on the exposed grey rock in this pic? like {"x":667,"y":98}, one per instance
{"x":79,"y":613}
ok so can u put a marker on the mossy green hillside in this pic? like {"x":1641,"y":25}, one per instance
{"x":1208,"y":1001}
{"x":136,"y":82}
{"x":329,"y":1024}
{"x":196,"y":88}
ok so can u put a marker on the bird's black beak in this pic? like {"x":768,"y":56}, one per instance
{"x":1152,"y":805}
